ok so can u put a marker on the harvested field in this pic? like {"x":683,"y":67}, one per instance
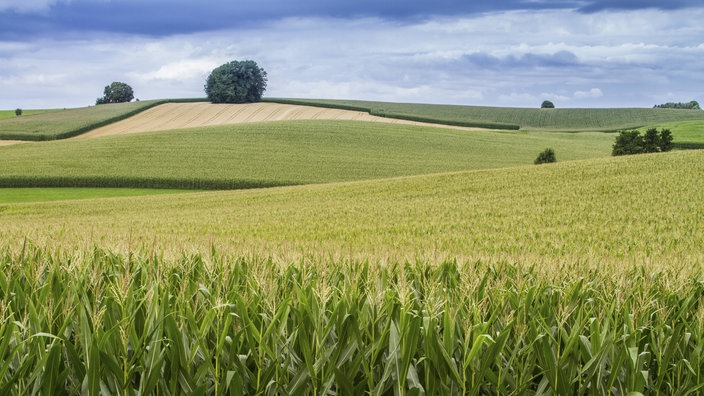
{"x":191,"y":115}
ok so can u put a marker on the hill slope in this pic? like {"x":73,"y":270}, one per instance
{"x":526,"y":118}
{"x":278,"y":153}
{"x":172,"y":116}
{"x":644,"y":209}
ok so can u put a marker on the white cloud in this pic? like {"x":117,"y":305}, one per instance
{"x":183,"y":70}
{"x":591,"y":94}
{"x":379,"y":60}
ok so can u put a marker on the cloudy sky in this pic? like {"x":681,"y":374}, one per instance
{"x":576,"y":53}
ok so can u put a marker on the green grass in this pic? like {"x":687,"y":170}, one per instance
{"x":688,"y":134}
{"x":527,"y":118}
{"x":67,"y":123}
{"x":279,"y":153}
{"x":11,"y":113}
{"x":15,"y":195}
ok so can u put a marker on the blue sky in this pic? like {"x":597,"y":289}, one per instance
{"x":576,"y":53}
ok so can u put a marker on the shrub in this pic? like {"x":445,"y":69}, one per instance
{"x":547,"y":105}
{"x":236,"y":82}
{"x":547,"y":156}
{"x":18,"y":112}
{"x":632,"y":142}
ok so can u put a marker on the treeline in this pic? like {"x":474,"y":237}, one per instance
{"x":693,"y":105}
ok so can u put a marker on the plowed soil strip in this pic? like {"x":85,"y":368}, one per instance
{"x":190,"y":115}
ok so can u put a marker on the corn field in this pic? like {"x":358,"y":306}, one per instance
{"x":98,"y":322}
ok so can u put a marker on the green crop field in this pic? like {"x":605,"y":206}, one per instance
{"x":14,"y":195}
{"x":11,"y":113}
{"x":279,"y":153}
{"x":383,"y":260}
{"x":580,"y":277}
{"x":526,"y":118}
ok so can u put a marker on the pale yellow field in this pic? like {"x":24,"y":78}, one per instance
{"x":9,"y":142}
{"x":190,"y":115}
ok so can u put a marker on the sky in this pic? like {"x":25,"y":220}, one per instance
{"x":517,"y":53}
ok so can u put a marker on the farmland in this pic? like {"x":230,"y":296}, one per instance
{"x":526,"y":118}
{"x":278,"y":153}
{"x":381,"y":259}
{"x":11,"y":113}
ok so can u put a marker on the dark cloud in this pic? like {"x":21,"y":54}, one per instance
{"x":161,"y":18}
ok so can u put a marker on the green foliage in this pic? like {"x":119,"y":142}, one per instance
{"x":547,"y":105}
{"x":277,"y":153}
{"x":106,"y":323}
{"x":693,"y":105}
{"x":632,"y":142}
{"x":545,"y":157}
{"x":116,"y":92}
{"x":236,"y":82}
{"x":18,"y":112}
{"x":523,"y":118}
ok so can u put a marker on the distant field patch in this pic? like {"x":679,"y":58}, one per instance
{"x":527,"y":118}
{"x":16,"y":195}
{"x":11,"y":113}
{"x":172,"y":116}
{"x":61,"y":124}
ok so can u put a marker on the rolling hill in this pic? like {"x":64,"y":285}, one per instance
{"x":278,"y":153}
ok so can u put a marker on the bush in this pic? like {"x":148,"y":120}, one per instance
{"x":632,"y":142}
{"x":547,"y":105}
{"x":18,"y":112}
{"x":546,"y":157}
{"x":236,"y":82}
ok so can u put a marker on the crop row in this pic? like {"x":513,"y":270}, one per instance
{"x":99,"y":322}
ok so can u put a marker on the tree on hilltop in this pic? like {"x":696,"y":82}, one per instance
{"x":693,"y":105}
{"x":236,"y":82}
{"x":117,"y":92}
{"x":547,"y":105}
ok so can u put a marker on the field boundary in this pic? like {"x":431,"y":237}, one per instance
{"x":139,"y":182}
{"x":401,"y":116}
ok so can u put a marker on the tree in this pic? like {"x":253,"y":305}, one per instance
{"x":117,"y":92}
{"x":666,"y":140}
{"x":547,"y":156}
{"x":547,"y":105}
{"x":632,"y":142}
{"x":651,"y":141}
{"x":236,"y":82}
{"x":18,"y":112}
